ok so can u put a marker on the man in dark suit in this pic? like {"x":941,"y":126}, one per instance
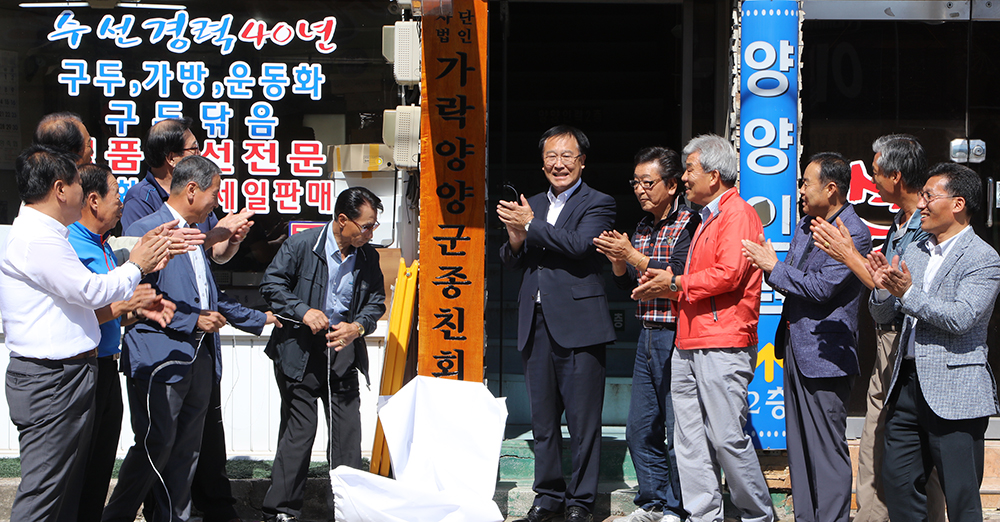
{"x":328,"y":281}
{"x":817,"y":338}
{"x":941,"y":393}
{"x":170,"y":370}
{"x":563,"y":321}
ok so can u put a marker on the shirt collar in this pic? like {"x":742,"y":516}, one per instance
{"x":333,"y":248}
{"x":914,"y":221}
{"x":712,"y":208}
{"x":671,"y":216}
{"x":96,"y":238}
{"x":936,"y":249}
{"x":43,"y":219}
{"x":151,"y":179}
{"x":565,"y":194}
{"x":183,"y":222}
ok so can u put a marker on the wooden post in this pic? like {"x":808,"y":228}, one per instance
{"x":453,"y":193}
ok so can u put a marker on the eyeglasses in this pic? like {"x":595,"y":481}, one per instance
{"x":366,"y":228}
{"x":645,"y":183}
{"x":194,"y":150}
{"x":568,"y":159}
{"x":928,"y":197}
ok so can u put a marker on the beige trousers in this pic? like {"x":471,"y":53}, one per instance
{"x":869,"y":494}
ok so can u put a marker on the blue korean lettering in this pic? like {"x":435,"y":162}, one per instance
{"x":261,"y":124}
{"x":69,"y":29}
{"x":125,"y":119}
{"x":203,"y":29}
{"x":109,"y":76}
{"x":309,"y":79}
{"x":239,"y":81}
{"x":168,"y":110}
{"x":274,"y":79}
{"x":215,"y":119}
{"x":174,"y":27}
{"x":192,"y":77}
{"x":159,"y":74}
{"x":76,"y":77}
{"x":108,"y":30}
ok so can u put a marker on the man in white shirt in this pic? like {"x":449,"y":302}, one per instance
{"x":47,"y":300}
{"x":941,"y":393}
{"x":170,"y":370}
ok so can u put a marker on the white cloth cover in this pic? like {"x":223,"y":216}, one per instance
{"x":444,"y":437}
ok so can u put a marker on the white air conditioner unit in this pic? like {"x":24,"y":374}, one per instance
{"x":401,"y":131}
{"x":406,"y":53}
{"x":389,"y":43}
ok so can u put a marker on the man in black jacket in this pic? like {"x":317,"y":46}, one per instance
{"x":328,"y":281}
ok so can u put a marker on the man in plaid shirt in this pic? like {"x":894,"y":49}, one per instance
{"x":660,"y":240}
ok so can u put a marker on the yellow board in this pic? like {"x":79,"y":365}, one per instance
{"x":400,"y":325}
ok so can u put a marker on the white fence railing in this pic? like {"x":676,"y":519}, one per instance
{"x":250,"y":401}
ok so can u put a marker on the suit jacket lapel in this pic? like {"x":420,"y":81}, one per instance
{"x":798,"y":246}
{"x":575,"y":199}
{"x":166,"y":215}
{"x":951,"y":259}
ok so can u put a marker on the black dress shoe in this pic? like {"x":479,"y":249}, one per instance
{"x":578,"y":514}
{"x":538,"y":514}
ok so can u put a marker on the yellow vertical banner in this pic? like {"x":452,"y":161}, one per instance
{"x":452,"y":193}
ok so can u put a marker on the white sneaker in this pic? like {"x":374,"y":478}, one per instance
{"x":641,"y":515}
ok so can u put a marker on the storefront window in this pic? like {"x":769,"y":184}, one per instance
{"x":270,"y":86}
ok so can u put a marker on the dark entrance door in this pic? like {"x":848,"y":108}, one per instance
{"x":616,"y":70}
{"x":933,"y":78}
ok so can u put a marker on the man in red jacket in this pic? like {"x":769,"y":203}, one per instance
{"x":719,"y":303}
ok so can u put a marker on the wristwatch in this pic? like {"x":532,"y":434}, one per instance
{"x":361,"y":329}
{"x":673,"y":284}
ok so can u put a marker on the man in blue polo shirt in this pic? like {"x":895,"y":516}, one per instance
{"x":102,"y":208}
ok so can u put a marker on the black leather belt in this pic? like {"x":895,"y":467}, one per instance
{"x":890,"y":327}
{"x":653,"y":325}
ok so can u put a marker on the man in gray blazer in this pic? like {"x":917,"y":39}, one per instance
{"x":941,"y":391}
{"x":817,"y":337}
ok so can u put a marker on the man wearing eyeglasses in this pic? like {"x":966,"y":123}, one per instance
{"x":328,"y":283}
{"x":563,"y":321}
{"x":899,"y":170}
{"x":168,"y":142}
{"x":941,"y":393}
{"x":661,"y":240}
{"x":718,"y":302}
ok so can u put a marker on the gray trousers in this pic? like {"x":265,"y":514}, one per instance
{"x":709,"y":392}
{"x":174,"y":420}
{"x":50,"y":402}
{"x":818,"y":460}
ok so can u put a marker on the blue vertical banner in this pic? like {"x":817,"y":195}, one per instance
{"x":769,"y":143}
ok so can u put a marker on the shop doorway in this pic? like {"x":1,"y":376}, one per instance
{"x":619,"y":72}
{"x":931,"y":71}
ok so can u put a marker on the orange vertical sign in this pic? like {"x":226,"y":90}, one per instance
{"x":452,"y":193}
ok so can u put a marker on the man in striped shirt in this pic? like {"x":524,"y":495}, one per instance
{"x":661,"y":240}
